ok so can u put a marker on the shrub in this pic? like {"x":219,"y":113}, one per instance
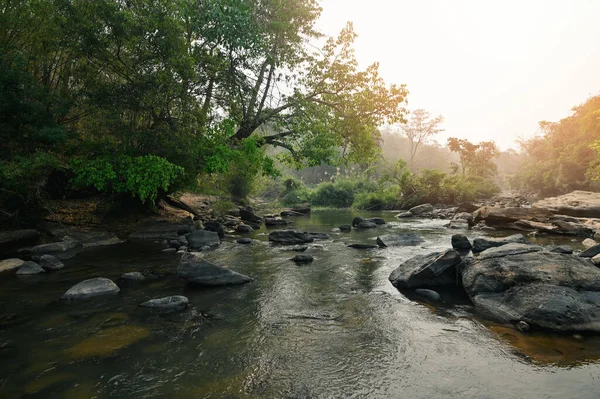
{"x":333,"y":195}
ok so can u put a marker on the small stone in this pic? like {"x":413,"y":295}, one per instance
{"x":169,"y":250}
{"x":523,"y":326}
{"x":49,"y":262}
{"x":303,"y":258}
{"x":133,"y":276}
{"x":299,"y":248}
{"x":176,"y":302}
{"x":30,"y":268}
{"x":244,"y":240}
{"x":345,"y":228}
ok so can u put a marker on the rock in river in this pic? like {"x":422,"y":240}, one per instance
{"x":62,"y":250}
{"x":202,"y":238}
{"x":591,"y":252}
{"x":544,"y":289}
{"x":396,"y":240}
{"x":17,"y":238}
{"x":133,"y":276}
{"x":362,"y":246}
{"x":460,"y":241}
{"x":365,"y":224}
{"x":481,"y":244}
{"x":576,"y":203}
{"x":49,"y":262}
{"x":30,"y":268}
{"x":244,"y":240}
{"x":10,"y":264}
{"x":428,"y":294}
{"x":290,"y":237}
{"x":175,"y":302}
{"x":91,"y":288}
{"x":198,"y":271}
{"x":303,"y":258}
{"x":422,"y":271}
{"x":421,"y":209}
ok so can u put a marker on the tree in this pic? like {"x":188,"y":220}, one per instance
{"x":475,"y":159}
{"x":420,"y":127}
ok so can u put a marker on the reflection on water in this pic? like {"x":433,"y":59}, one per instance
{"x":335,"y":328}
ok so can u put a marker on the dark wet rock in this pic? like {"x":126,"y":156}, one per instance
{"x":203,"y":238}
{"x":289,"y":213}
{"x":378,"y":221}
{"x":194,"y":269}
{"x":302,"y":208}
{"x":91,"y":288}
{"x":591,"y":252}
{"x":460,"y":241}
{"x":289,"y":237}
{"x":176,"y":302}
{"x":428,"y":294}
{"x":18,"y":238}
{"x":244,"y":228}
{"x":545,"y":289}
{"x":319,"y":236}
{"x":175,"y":244}
{"x":405,"y":215}
{"x":303,"y":258}
{"x":366,"y":225}
{"x":244,"y":240}
{"x":215,"y":227}
{"x":249,"y":216}
{"x":299,"y":248}
{"x":62,"y":250}
{"x":276,"y":222}
{"x":481,"y":244}
{"x":345,"y":228}
{"x":10,"y":264}
{"x":133,"y":276}
{"x":458,"y":224}
{"x":255,"y":226}
{"x":522,"y":326}
{"x":421,"y":209}
{"x":467,"y":207}
{"x":508,"y":249}
{"x":562,"y":249}
{"x":398,"y":240}
{"x":160,"y":229}
{"x":576,"y":203}
{"x":49,"y":262}
{"x":357,"y":220}
{"x":432,"y":270}
{"x":362,"y":246}
{"x":30,"y":268}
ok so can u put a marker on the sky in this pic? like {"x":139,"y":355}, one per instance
{"x":492,"y":69}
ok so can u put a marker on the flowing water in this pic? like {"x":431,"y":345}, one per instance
{"x":335,"y":328}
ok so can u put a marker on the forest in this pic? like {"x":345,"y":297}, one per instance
{"x":139,"y":99}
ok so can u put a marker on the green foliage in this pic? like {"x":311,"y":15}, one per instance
{"x":142,"y":177}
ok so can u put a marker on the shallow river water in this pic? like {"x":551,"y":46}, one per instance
{"x":335,"y":328}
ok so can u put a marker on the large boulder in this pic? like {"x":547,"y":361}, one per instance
{"x":10,"y":264}
{"x":399,"y":240}
{"x":62,"y":250}
{"x":249,"y":216}
{"x":290,"y":237}
{"x":91,"y":288}
{"x":49,"y":262}
{"x":90,"y":237}
{"x":461,"y":242}
{"x":494,"y":215}
{"x":302,"y":208}
{"x":423,"y":271}
{"x":18,"y":238}
{"x":357,"y":220}
{"x":421,"y":209}
{"x":30,"y":268}
{"x":175,"y":302}
{"x":483,"y":243}
{"x":194,"y":269}
{"x":203,"y":238}
{"x":218,"y":228}
{"x":576,"y":203}
{"x":545,"y":289}
{"x":161,"y":229}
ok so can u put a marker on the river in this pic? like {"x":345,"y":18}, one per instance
{"x":335,"y":328}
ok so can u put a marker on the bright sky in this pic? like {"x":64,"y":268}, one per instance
{"x":493,"y":69}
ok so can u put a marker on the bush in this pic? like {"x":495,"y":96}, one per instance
{"x":339,"y":195}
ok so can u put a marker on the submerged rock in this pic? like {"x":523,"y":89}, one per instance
{"x":276,"y":222}
{"x":365,"y":224}
{"x":303,"y":258}
{"x":428,"y":294}
{"x":345,"y":228}
{"x":176,"y":302}
{"x":481,"y":244}
{"x":244,"y":240}
{"x":378,"y":221}
{"x":203,"y":238}
{"x":362,"y":246}
{"x":432,"y":270}
{"x":62,"y":250}
{"x":49,"y":262}
{"x":460,"y":241}
{"x":395,"y":240}
{"x":10,"y":264}
{"x":194,"y":269}
{"x":30,"y":268}
{"x":289,"y":237}
{"x":91,"y":288}
{"x":133,"y":276}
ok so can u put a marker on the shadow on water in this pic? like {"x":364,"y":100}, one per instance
{"x":333,"y":328}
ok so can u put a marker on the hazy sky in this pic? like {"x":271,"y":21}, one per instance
{"x":493,"y":69}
